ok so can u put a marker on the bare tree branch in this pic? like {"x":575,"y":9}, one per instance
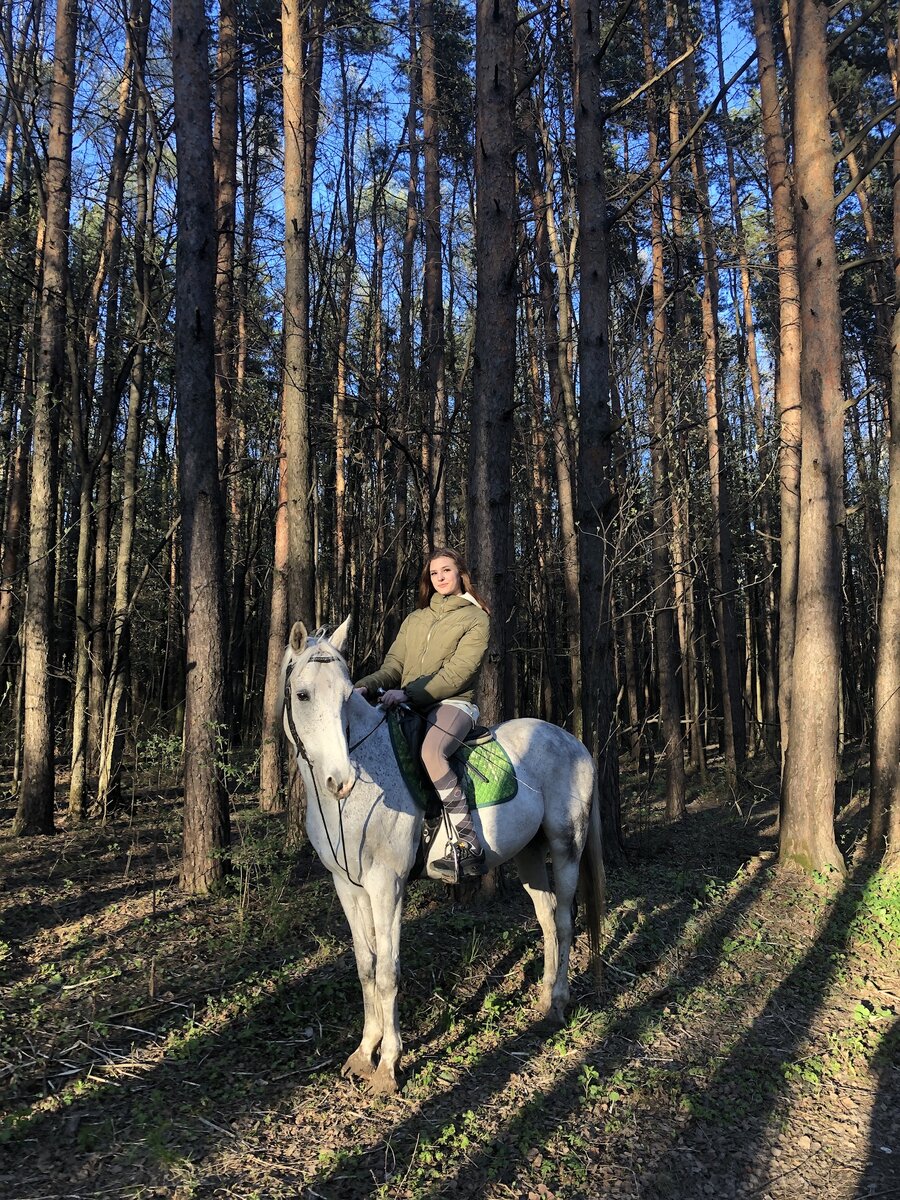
{"x":684,"y":143}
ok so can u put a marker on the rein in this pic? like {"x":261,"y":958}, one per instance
{"x":301,"y":750}
{"x":374,"y":728}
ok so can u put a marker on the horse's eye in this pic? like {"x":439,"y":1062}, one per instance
{"x":302,"y":694}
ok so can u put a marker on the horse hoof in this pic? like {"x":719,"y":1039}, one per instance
{"x":383,"y":1082}
{"x":358,"y":1064}
{"x":552,"y":1016}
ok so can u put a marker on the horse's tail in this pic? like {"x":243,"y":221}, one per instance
{"x":593,"y":883}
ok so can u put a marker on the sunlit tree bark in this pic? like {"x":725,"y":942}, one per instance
{"x":301,"y":31}
{"x":807,"y":829}
{"x":35,"y":809}
{"x":206,"y":820}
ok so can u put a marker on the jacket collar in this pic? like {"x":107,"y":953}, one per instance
{"x":440,"y":604}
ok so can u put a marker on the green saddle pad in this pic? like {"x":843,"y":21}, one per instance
{"x":486,"y":774}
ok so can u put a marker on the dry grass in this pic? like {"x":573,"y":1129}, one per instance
{"x":151,"y":1045}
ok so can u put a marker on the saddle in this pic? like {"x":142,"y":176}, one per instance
{"x":485,"y":773}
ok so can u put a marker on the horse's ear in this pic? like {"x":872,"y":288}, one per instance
{"x":298,"y":637}
{"x":341,"y":636}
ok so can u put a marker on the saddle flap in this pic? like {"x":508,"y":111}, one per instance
{"x":486,"y":775}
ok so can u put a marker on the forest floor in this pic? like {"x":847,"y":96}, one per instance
{"x":745,"y":1043}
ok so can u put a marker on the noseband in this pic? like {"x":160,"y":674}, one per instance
{"x":301,"y":750}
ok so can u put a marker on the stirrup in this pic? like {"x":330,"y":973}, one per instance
{"x":461,"y":861}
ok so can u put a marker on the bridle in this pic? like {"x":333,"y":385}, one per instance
{"x":301,"y":750}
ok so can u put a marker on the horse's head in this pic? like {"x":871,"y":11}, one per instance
{"x":316,"y":690}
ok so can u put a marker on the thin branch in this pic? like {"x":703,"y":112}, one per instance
{"x":148,"y":565}
{"x":536,"y":12}
{"x":617,"y":20}
{"x":869,"y":260}
{"x":853,"y":26}
{"x":867,"y":170}
{"x":684,"y":143}
{"x":638,"y":92}
{"x":866,"y":130}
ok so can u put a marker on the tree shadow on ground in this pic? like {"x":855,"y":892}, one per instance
{"x":24,"y":921}
{"x":182,"y":1086}
{"x":538,"y":1118}
{"x":248,"y":1053}
{"x":881,"y":1177}
{"x":746,"y":1093}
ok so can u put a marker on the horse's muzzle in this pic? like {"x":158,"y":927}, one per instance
{"x":340,"y":788}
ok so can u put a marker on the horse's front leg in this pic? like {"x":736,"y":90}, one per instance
{"x":358,"y":911}
{"x":386,"y":894}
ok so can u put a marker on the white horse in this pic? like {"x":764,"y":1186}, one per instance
{"x":366,"y":829}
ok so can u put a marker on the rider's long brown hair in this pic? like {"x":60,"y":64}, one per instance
{"x":426,"y":587}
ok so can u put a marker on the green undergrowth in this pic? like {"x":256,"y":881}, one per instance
{"x":153,"y":1044}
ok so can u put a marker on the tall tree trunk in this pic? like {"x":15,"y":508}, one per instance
{"x":734,"y":734}
{"x":17,"y":502}
{"x":406,"y":390}
{"x":240,"y":487}
{"x":206,"y":820}
{"x":225,"y":139}
{"x":302,"y":65}
{"x":112,"y":738}
{"x":595,"y":499}
{"x":96,"y":465}
{"x":807,"y":829}
{"x":661,"y":569}
{"x":560,"y":382}
{"x":35,"y":809}
{"x":495,"y":336}
{"x":884,"y":796}
{"x":746,"y":318}
{"x":341,"y":399}
{"x":342,"y":435}
{"x":270,"y":795}
{"x":433,"y":298}
{"x":78,"y":778}
{"x":788,"y":374}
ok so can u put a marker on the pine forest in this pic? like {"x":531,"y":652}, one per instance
{"x":604,"y":298}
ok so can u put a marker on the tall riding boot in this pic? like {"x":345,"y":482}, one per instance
{"x":466,"y":855}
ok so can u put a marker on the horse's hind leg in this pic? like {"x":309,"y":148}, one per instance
{"x":565,"y":855}
{"x":531,"y":864}
{"x":358,"y":911}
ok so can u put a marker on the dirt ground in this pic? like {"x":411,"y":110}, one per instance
{"x":744,"y":1043}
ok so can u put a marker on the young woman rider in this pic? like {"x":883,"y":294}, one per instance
{"x":433,"y":666}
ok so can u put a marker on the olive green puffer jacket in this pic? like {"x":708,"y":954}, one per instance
{"x":437,"y":654}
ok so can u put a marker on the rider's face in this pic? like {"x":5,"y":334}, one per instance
{"x":445,"y":576}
